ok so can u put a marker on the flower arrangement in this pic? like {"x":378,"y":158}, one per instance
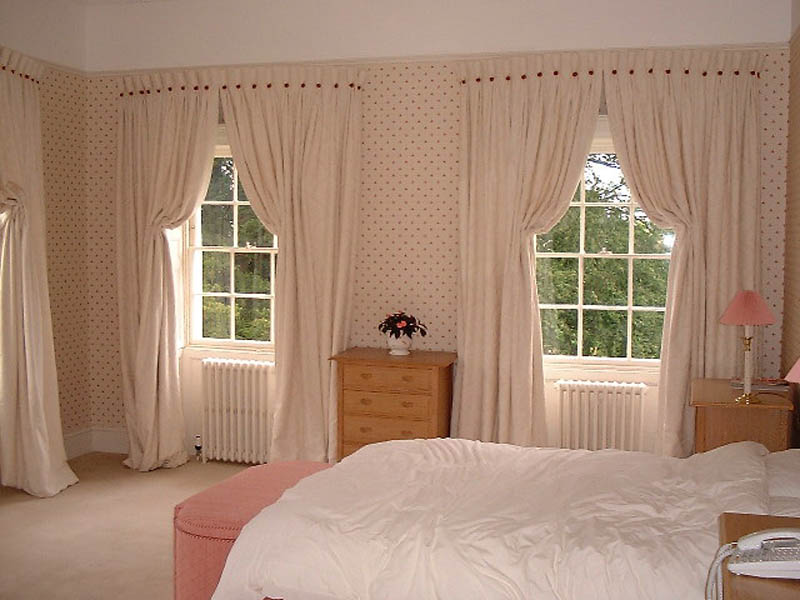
{"x":400,"y":323}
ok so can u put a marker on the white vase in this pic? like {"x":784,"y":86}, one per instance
{"x":398,"y":346}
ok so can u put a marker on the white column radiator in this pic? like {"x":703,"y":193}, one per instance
{"x":237,"y":419}
{"x":597,"y":415}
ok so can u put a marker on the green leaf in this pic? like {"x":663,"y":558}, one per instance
{"x":646,"y":336}
{"x":216,"y":225}
{"x":251,"y":274}
{"x":605,"y":333}
{"x":253,"y":317}
{"x":557,"y":280}
{"x":564,"y":236}
{"x":220,"y":188}
{"x":216,"y":318}
{"x":560,"y":331}
{"x":216,"y":272}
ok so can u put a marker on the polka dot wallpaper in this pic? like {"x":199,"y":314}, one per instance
{"x":408,"y":251}
{"x":105,"y":375}
{"x":791,"y":324}
{"x":63,"y":105}
{"x":408,"y":245}
{"x":774,"y":100}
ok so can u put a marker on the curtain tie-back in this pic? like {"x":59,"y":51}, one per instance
{"x":12,"y":197}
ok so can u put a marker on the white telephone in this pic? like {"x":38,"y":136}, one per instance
{"x":768,"y":553}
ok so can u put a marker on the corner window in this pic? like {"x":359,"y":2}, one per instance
{"x":232,"y":259}
{"x":601,"y":272}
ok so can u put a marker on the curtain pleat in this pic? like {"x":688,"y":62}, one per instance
{"x":685,"y":126}
{"x":32,"y":454}
{"x":526,"y":129}
{"x":295,"y":138}
{"x":165,"y":151}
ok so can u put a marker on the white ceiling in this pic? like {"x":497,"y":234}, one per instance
{"x":115,"y":35}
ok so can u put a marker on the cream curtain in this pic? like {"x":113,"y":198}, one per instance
{"x":685,"y":126}
{"x":527,"y":125}
{"x":32,"y":453}
{"x":295,"y":138}
{"x":165,"y":151}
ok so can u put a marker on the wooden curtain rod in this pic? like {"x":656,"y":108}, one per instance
{"x":613,"y":72}
{"x":237,"y":86}
{"x":21,"y":74}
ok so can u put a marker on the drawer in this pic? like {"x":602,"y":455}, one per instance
{"x":378,"y":429}
{"x":407,"y":406}
{"x":363,"y":377}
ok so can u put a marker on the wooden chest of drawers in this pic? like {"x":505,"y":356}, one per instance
{"x":384,"y":397}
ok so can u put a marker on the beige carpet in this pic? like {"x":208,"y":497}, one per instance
{"x":109,"y":537}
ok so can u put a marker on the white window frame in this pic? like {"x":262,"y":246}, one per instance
{"x":565,"y":365}
{"x":193,"y":275}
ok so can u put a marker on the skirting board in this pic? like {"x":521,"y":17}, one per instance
{"x":96,"y":439}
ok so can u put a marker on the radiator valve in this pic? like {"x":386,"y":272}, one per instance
{"x":198,"y":447}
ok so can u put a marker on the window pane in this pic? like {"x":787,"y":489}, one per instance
{"x":216,"y":318}
{"x":216,"y":225}
{"x":603,"y":179}
{"x":557,"y":280}
{"x":220,"y":189}
{"x":216,"y":272}
{"x":252,"y":319}
{"x":649,"y":239}
{"x":252,"y":233}
{"x":650,"y":282}
{"x":606,"y":229}
{"x":647,"y":328}
{"x":605,"y":281}
{"x":560,"y":331}
{"x":605,"y":333}
{"x":240,"y":195}
{"x":251,"y":273}
{"x":564,"y":236}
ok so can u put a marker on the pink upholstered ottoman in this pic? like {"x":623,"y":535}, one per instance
{"x":207,"y":524}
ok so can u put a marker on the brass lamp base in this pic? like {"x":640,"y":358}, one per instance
{"x":750,"y":398}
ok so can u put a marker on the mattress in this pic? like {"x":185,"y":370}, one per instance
{"x":207,"y":524}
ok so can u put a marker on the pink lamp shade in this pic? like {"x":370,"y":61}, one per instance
{"x":747,"y":308}
{"x":794,"y":373}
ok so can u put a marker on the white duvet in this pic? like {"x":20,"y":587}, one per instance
{"x":456,"y":519}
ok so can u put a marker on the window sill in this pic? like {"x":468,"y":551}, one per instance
{"x":237,"y":351}
{"x":602,"y":369}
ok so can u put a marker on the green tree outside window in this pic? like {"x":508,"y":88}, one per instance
{"x":237,"y":260}
{"x":601,"y":272}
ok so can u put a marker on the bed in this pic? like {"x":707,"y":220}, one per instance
{"x":461,"y":519}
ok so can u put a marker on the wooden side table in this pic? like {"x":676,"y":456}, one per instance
{"x":732,"y":526}
{"x":384,"y":397}
{"x":721,"y":420}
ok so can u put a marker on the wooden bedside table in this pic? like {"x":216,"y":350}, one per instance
{"x":732,"y":526}
{"x":721,"y":420}
{"x":384,"y":397}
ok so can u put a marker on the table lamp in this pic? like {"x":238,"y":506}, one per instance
{"x":747,"y":308}
{"x":793,"y":375}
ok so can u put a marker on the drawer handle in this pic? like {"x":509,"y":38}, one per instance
{"x":365,"y":429}
{"x":366,"y":375}
{"x":406,"y":433}
{"x":366,"y":401}
{"x":407,"y":378}
{"x":407,"y":404}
